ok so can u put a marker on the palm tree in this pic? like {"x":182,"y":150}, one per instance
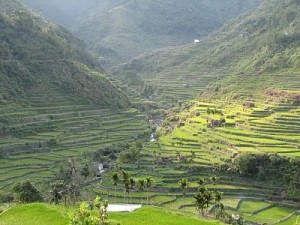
{"x":221,"y":211}
{"x":115,"y":178}
{"x":125,"y":177}
{"x":201,"y":181}
{"x":127,"y":188}
{"x":208,"y":196}
{"x":200,"y":203}
{"x":218,"y":205}
{"x":214,"y":179}
{"x":149,"y":184}
{"x":141,"y":185}
{"x":218,"y":196}
{"x":132,"y":184}
{"x":183,"y":183}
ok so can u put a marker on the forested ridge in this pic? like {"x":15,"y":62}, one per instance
{"x":37,"y":53}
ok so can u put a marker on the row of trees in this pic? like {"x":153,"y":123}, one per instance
{"x":131,"y":184}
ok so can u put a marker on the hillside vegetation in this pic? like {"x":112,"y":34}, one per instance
{"x":55,"y":99}
{"x":120,"y":30}
{"x":42,"y":54}
{"x":265,"y":40}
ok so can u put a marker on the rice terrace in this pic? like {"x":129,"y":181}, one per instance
{"x":149,"y":112}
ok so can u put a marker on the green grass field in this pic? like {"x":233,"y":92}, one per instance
{"x":38,"y":214}
{"x":33,"y":214}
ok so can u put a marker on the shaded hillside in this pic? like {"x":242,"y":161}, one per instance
{"x":35,"y":53}
{"x":120,"y":30}
{"x":55,"y":100}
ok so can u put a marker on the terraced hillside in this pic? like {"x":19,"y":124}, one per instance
{"x":265,"y":40}
{"x":48,"y":127}
{"x":268,"y":124}
{"x":56,"y":100}
{"x":171,"y":87}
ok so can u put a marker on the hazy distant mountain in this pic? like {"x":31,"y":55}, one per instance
{"x":266,"y":39}
{"x":121,"y":29}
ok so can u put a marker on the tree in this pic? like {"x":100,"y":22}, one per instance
{"x":200,"y":202}
{"x":209,"y":196}
{"x":56,"y":192}
{"x":219,"y":207}
{"x":85,"y":171}
{"x":73,"y":191}
{"x":132,"y":183}
{"x":183,"y":183}
{"x":201,"y":181}
{"x":125,"y":177}
{"x":214,"y":180}
{"x":25,"y":192}
{"x":141,"y":185}
{"x":193,"y":155}
{"x":127,"y":189}
{"x":115,"y":178}
{"x":149,"y":184}
{"x":203,"y":199}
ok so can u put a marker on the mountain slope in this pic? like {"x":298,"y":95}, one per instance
{"x":264,"y":41}
{"x":270,"y":34}
{"x":55,"y":100}
{"x":120,"y":30}
{"x":38,"y":54}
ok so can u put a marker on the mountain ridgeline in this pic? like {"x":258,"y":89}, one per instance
{"x":264,"y":43}
{"x":120,"y":30}
{"x":36,"y":55}
{"x":263,"y":40}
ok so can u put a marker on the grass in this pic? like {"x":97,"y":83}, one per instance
{"x":294,"y":220}
{"x":150,"y":216}
{"x":33,"y":214}
{"x":251,"y":206}
{"x":38,"y":213}
{"x":273,"y":214}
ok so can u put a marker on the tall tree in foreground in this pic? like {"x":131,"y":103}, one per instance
{"x":149,"y":184}
{"x":141,"y":185}
{"x":125,"y":177}
{"x":203,"y":199}
{"x":183,"y":184}
{"x":115,"y":178}
{"x":219,"y":207}
{"x":132,"y":184}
